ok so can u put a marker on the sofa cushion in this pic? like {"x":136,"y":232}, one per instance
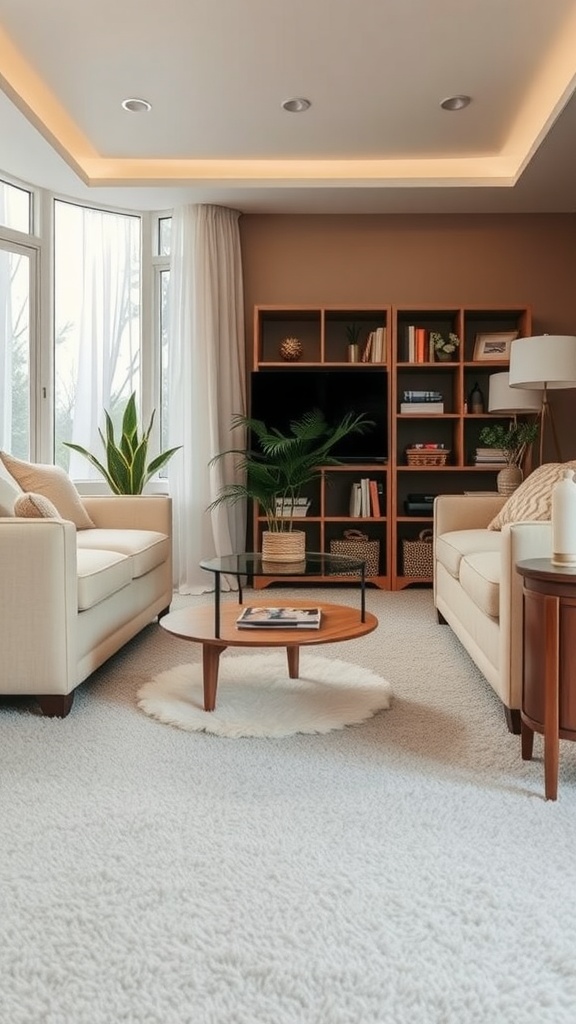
{"x":100,"y":574}
{"x":35,"y":506}
{"x":53,"y":483}
{"x":532,"y":500}
{"x":146,"y":548}
{"x":452,"y":546}
{"x":480,"y":579}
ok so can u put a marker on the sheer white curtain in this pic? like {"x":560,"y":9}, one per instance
{"x":207,"y":385}
{"x":97,"y":357}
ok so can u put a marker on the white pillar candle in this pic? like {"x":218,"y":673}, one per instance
{"x":564,"y":520}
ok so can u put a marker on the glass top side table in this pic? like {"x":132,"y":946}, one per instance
{"x":314,"y":565}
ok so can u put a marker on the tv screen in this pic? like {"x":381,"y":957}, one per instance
{"x":281,"y":396}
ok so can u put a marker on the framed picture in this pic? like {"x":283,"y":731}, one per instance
{"x":494,"y":346}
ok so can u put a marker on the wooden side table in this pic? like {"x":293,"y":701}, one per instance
{"x":549,"y":669}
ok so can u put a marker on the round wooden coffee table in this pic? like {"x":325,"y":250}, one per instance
{"x":339,"y":622}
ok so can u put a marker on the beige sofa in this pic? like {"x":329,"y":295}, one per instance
{"x":70,"y":598}
{"x":477,"y":590}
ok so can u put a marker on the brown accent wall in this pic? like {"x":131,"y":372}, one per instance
{"x":404,"y":260}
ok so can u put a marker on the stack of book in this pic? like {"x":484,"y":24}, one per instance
{"x":279,"y":618}
{"x":490,"y":457}
{"x":429,"y":402}
{"x":375,"y":347}
{"x":365,"y":495}
{"x":288,"y":508}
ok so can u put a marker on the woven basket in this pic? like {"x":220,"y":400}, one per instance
{"x":357,"y":545}
{"x":427,"y":456}
{"x":284,"y":547}
{"x":417,"y":555}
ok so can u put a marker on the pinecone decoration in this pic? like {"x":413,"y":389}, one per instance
{"x":290,"y":349}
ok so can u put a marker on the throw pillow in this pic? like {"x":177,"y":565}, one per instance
{"x":53,"y":483}
{"x":532,"y":500}
{"x":35,"y":506}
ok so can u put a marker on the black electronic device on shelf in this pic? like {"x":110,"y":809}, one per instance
{"x":419,"y":504}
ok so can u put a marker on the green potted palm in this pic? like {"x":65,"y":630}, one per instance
{"x":127,"y":469}
{"x":512,"y":443}
{"x":278,"y":467}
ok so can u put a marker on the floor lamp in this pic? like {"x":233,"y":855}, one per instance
{"x":543,"y":364}
{"x":506,"y":401}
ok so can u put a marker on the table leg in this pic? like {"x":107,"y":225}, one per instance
{"x":551,"y":698}
{"x":217,"y":605}
{"x":210,"y":662}
{"x":293,"y":661}
{"x":527,"y":741}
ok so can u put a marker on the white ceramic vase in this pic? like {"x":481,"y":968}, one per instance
{"x":564,"y":520}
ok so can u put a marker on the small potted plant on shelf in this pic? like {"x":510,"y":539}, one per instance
{"x":444,"y":345}
{"x":511,"y":443}
{"x":353,"y":335}
{"x":127,"y":469}
{"x":278,"y":468}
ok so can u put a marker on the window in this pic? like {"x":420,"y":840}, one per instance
{"x":15,"y":208}
{"x":17,"y":277}
{"x":97,"y":328}
{"x":102,"y":334}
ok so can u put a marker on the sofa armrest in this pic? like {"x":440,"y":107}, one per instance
{"x":130,"y":511}
{"x":465,"y":511}
{"x":38,"y":605}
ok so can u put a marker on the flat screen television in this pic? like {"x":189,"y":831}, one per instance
{"x":280,"y":396}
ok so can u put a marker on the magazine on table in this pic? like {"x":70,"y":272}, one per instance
{"x":279,"y":618}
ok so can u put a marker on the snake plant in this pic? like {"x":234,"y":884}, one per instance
{"x":126,"y":469}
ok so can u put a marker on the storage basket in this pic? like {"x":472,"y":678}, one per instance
{"x":427,"y":456}
{"x":417,"y":555}
{"x":356,"y":544}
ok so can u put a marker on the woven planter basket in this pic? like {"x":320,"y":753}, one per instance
{"x":284,"y":547}
{"x":508,"y":479}
{"x":427,"y":456}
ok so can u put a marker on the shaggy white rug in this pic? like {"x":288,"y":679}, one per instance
{"x":256,"y":697}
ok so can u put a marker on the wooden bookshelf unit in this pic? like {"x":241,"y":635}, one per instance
{"x":323,"y":336}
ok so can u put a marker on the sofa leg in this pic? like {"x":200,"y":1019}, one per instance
{"x":513,"y":720}
{"x":55,"y":705}
{"x":441,"y":618}
{"x":165,"y":611}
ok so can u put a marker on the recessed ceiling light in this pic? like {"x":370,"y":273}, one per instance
{"x":136,"y":106}
{"x":296,"y":105}
{"x":456,"y":102}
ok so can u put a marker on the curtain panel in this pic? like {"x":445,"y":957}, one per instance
{"x":207,"y":387}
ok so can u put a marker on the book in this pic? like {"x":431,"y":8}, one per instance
{"x":421,"y":350}
{"x":422,"y":407}
{"x":374,"y":498}
{"x":365,"y":493}
{"x":279,"y":618}
{"x":292,"y":510}
{"x":355,"y":499}
{"x":422,"y":396}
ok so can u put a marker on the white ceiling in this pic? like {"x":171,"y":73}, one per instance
{"x":375,"y":139}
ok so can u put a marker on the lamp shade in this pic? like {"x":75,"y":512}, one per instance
{"x":502,"y":398}
{"x":548,"y":362}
